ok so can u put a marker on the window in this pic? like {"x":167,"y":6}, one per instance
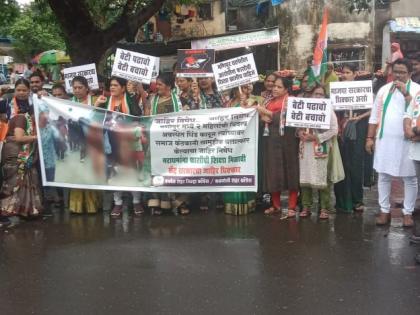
{"x":382,"y":4}
{"x":341,"y":56}
{"x":232,"y":19}
{"x":205,"y":11}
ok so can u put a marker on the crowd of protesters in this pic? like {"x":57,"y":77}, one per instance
{"x":293,"y":160}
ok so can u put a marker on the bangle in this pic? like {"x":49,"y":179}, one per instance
{"x":370,"y":138}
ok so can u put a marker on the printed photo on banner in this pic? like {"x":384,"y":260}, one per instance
{"x":133,"y":66}
{"x":308,"y":113}
{"x":91,"y":148}
{"x":235,"y":72}
{"x":88,"y":147}
{"x":350,"y":95}
{"x":194,"y":63}
{"x":86,"y":71}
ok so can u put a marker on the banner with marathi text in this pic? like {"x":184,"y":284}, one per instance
{"x":192,"y":151}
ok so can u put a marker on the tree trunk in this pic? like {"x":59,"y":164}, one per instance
{"x":86,"y":42}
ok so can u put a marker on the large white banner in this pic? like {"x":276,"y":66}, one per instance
{"x":197,"y":151}
{"x":133,"y":66}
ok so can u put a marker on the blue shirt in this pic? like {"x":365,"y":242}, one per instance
{"x":49,"y":135}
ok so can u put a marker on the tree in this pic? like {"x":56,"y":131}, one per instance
{"x":35,"y":31}
{"x":9,"y":11}
{"x":91,"y":27}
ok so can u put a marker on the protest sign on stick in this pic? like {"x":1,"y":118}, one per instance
{"x":133,"y":66}
{"x":86,"y":71}
{"x":308,"y":113}
{"x":194,"y":63}
{"x":235,"y":72}
{"x":351,"y":95}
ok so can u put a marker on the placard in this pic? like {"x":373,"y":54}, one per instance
{"x":308,"y":113}
{"x":350,"y":95}
{"x":235,"y":72}
{"x":133,"y":66}
{"x":195,"y":63}
{"x":87,"y":71}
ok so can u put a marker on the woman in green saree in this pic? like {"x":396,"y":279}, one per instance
{"x":241,"y":202}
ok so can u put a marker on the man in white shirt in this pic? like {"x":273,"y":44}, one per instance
{"x":386,"y":136}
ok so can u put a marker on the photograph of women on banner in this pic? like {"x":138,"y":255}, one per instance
{"x":116,"y":146}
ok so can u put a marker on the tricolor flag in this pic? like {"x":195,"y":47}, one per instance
{"x":319,"y":64}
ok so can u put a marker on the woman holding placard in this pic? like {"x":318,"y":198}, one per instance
{"x":280,"y":149}
{"x":120,"y":102}
{"x":353,"y":126}
{"x":317,"y":150}
{"x":166,"y":101}
{"x":80,"y":199}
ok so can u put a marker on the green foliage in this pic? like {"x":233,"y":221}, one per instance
{"x":35,"y":31}
{"x":9,"y":11}
{"x":359,"y":5}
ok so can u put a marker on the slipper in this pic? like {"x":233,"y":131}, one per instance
{"x":271,"y":211}
{"x":305,"y":213}
{"x":324,"y":215}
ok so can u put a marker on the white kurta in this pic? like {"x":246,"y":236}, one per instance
{"x":314,"y":171}
{"x":391,"y":152}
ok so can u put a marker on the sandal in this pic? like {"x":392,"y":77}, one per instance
{"x":291,"y":214}
{"x":156,"y":211}
{"x":138,"y":209}
{"x":183,"y":209}
{"x":117,"y":211}
{"x":359,"y":208}
{"x":324,"y":215}
{"x":271,"y":211}
{"x":306,"y":212}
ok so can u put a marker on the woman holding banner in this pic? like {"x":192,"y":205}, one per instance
{"x":318,"y":154}
{"x":80,"y":199}
{"x":352,"y":136}
{"x":166,"y":101}
{"x":120,"y":102}
{"x":20,"y":192}
{"x":280,"y":148}
{"x":206,"y":96}
{"x":241,"y":203}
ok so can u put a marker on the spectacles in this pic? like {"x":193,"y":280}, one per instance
{"x":400,"y":72}
{"x":35,"y":82}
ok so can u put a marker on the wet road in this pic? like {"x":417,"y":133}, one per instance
{"x":207,"y":264}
